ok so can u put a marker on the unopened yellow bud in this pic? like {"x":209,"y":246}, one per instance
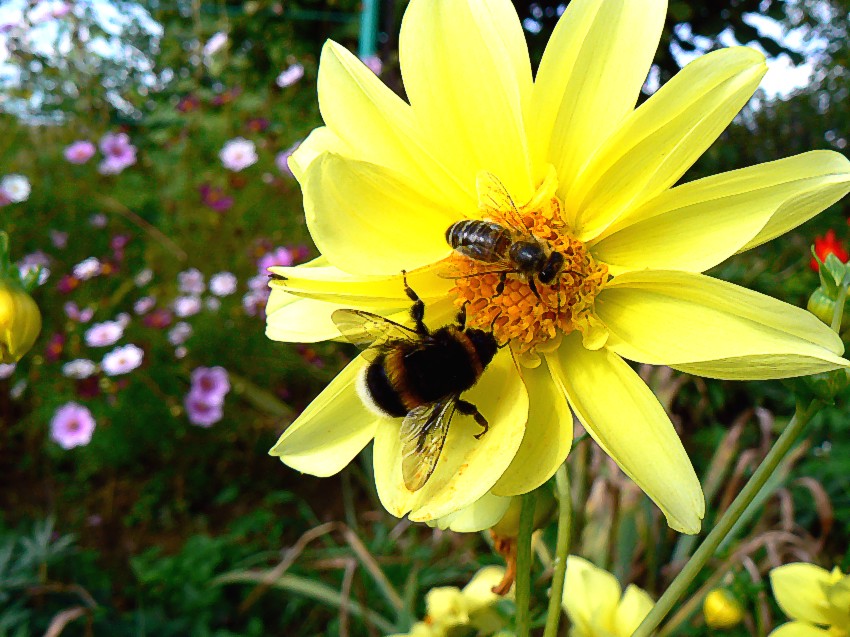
{"x":446,"y":606}
{"x":721,"y":609}
{"x":20,"y":321}
{"x":544,"y":506}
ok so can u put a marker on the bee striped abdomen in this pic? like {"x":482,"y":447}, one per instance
{"x":378,"y":391}
{"x":480,"y":240}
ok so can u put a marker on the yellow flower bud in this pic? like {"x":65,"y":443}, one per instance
{"x":20,"y":321}
{"x":721,"y":609}
{"x":446,"y":606}
{"x":544,"y":506}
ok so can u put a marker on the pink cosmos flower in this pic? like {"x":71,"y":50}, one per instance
{"x":191,"y":281}
{"x":80,"y":152}
{"x":104,"y":334}
{"x":72,"y":426}
{"x":290,"y":75}
{"x":118,"y":153}
{"x":237,"y":154}
{"x":223,"y":283}
{"x":201,"y":411}
{"x":215,"y":198}
{"x":122,"y":360}
{"x":211,"y":382}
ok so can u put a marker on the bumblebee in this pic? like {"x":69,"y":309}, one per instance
{"x":419,"y":375}
{"x":514,"y":249}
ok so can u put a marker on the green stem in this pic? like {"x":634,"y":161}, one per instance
{"x":838,"y":312}
{"x":523,"y":564}
{"x":562,"y":550}
{"x":730,"y":517}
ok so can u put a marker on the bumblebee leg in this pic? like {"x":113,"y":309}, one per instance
{"x":534,"y":288}
{"x":417,"y":311}
{"x":469,"y":409}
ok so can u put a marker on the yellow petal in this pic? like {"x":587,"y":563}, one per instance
{"x":322,"y":140}
{"x":625,"y":418}
{"x":799,"y":590}
{"x":480,"y":515}
{"x":329,"y":283}
{"x":377,"y":125}
{"x":369,"y":219}
{"x":663,"y":137}
{"x":698,"y":225}
{"x":300,"y":306}
{"x":713,"y":328}
{"x":468,"y":467}
{"x":331,"y":431}
{"x":294,"y":319}
{"x":633,"y":608}
{"x":548,"y":434}
{"x":468,"y":77}
{"x":789,"y":218}
{"x":591,"y":596}
{"x":479,"y":592}
{"x":798,"y":629}
{"x":589,"y":79}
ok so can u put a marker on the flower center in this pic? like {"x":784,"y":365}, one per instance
{"x":511,"y":300}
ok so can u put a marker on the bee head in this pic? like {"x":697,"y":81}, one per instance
{"x":553,"y":266}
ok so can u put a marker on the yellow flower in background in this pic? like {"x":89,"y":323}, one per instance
{"x":721,"y":609}
{"x":20,"y":321}
{"x":817,"y":600}
{"x":566,"y":158}
{"x":596,"y":605}
{"x":449,"y":607}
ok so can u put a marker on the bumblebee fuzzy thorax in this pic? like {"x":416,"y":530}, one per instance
{"x":517,"y":315}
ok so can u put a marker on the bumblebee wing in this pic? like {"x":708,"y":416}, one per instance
{"x":365,"y":329}
{"x":494,"y":196}
{"x":423,"y":434}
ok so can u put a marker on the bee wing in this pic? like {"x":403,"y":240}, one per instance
{"x":365,"y":329}
{"x":494,"y":195}
{"x":455,"y":271}
{"x":423,"y":434}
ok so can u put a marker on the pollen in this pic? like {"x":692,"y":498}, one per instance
{"x":516,"y":315}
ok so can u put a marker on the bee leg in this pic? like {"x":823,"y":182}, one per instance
{"x":417,"y":311}
{"x":534,"y":288}
{"x":503,"y":278}
{"x":469,"y":409}
{"x":461,"y":315}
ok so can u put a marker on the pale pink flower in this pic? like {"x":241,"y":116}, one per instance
{"x":237,"y":154}
{"x":72,"y":426}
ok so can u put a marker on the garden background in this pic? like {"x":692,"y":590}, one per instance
{"x":154,"y":136}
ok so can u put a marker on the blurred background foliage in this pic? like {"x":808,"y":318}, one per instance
{"x":162,"y":527}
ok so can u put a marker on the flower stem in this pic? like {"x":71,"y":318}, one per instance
{"x":562,"y":550}
{"x":523,"y":564}
{"x":730,"y":517}
{"x":838,"y":313}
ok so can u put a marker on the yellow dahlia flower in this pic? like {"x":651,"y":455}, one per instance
{"x":568,"y":156}
{"x":818,"y":601}
{"x":596,"y":605}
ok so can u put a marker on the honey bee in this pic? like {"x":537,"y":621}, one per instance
{"x":513,"y":249}
{"x":419,"y":375}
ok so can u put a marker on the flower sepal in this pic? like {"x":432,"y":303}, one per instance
{"x":824,"y":386}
